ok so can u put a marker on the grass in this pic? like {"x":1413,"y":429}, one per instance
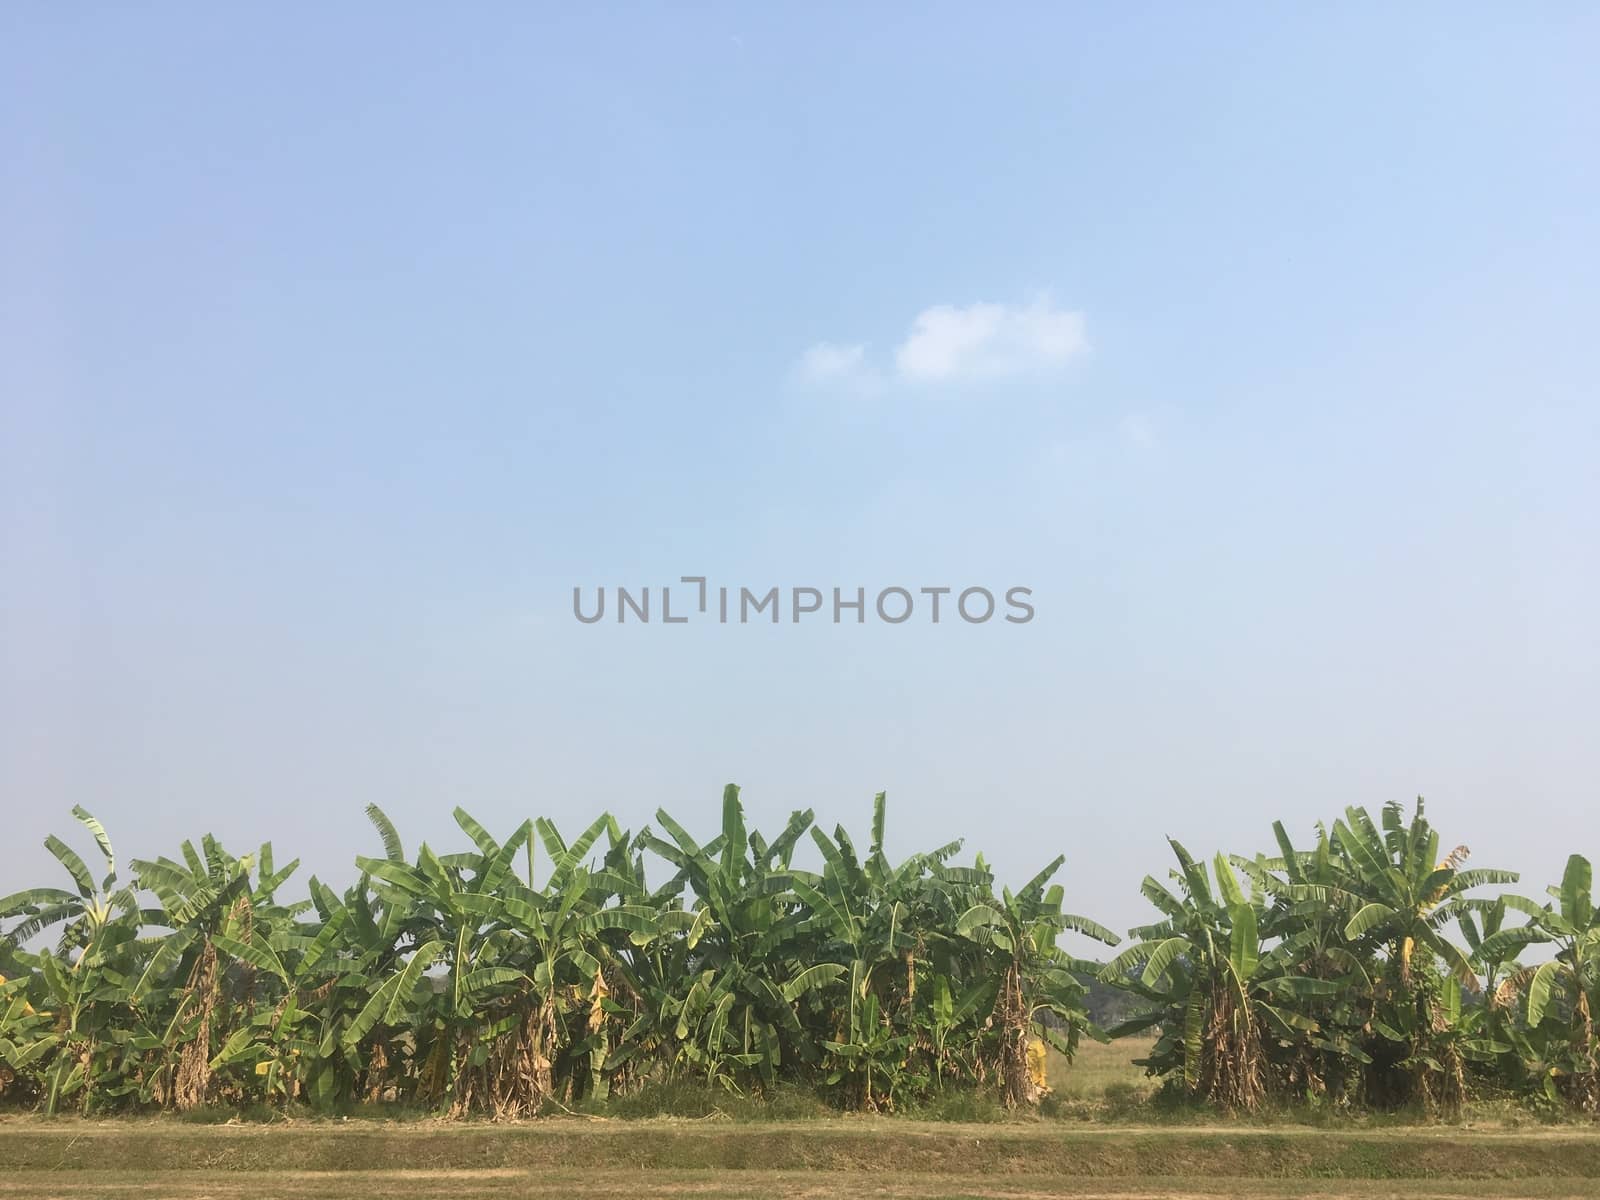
{"x":685,"y":1140}
{"x":66,"y":1147}
{"x":1100,"y":1069}
{"x":690,"y":1141}
{"x":1102,"y":1087}
{"x":697,"y":1101}
{"x":820,"y":1158}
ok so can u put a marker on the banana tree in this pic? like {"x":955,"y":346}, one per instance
{"x":744,"y":978}
{"x":83,"y":912}
{"x":1491,"y":1032}
{"x":1036,"y":977}
{"x":82,"y":982}
{"x":452,"y":904}
{"x":186,"y":988}
{"x":1323,"y":1059}
{"x":863,"y":915}
{"x":1408,"y":893}
{"x":521,"y":984}
{"x":583,"y":943}
{"x":1563,"y":993}
{"x":27,"y":1034}
{"x":1222,"y":999}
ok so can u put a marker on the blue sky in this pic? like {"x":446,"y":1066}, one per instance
{"x":335,"y":349}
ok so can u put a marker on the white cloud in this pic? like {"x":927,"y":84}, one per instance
{"x":839,"y":368}
{"x":952,"y":343}
{"x":828,"y":361}
{"x":982,"y":341}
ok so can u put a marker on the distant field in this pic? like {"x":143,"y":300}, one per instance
{"x":818,"y":1160}
{"x":1097,"y":1066}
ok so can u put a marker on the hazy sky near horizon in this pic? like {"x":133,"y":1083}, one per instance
{"x":338,"y":346}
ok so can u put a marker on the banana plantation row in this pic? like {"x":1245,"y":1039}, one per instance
{"x":508,"y":979}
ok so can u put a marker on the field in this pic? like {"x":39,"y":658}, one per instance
{"x":474,"y":985}
{"x":491,"y":1026}
{"x":817,"y":1160}
{"x":718,"y":1159}
{"x":1099,"y":1066}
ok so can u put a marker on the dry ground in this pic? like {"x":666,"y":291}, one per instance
{"x":492,"y":1184}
